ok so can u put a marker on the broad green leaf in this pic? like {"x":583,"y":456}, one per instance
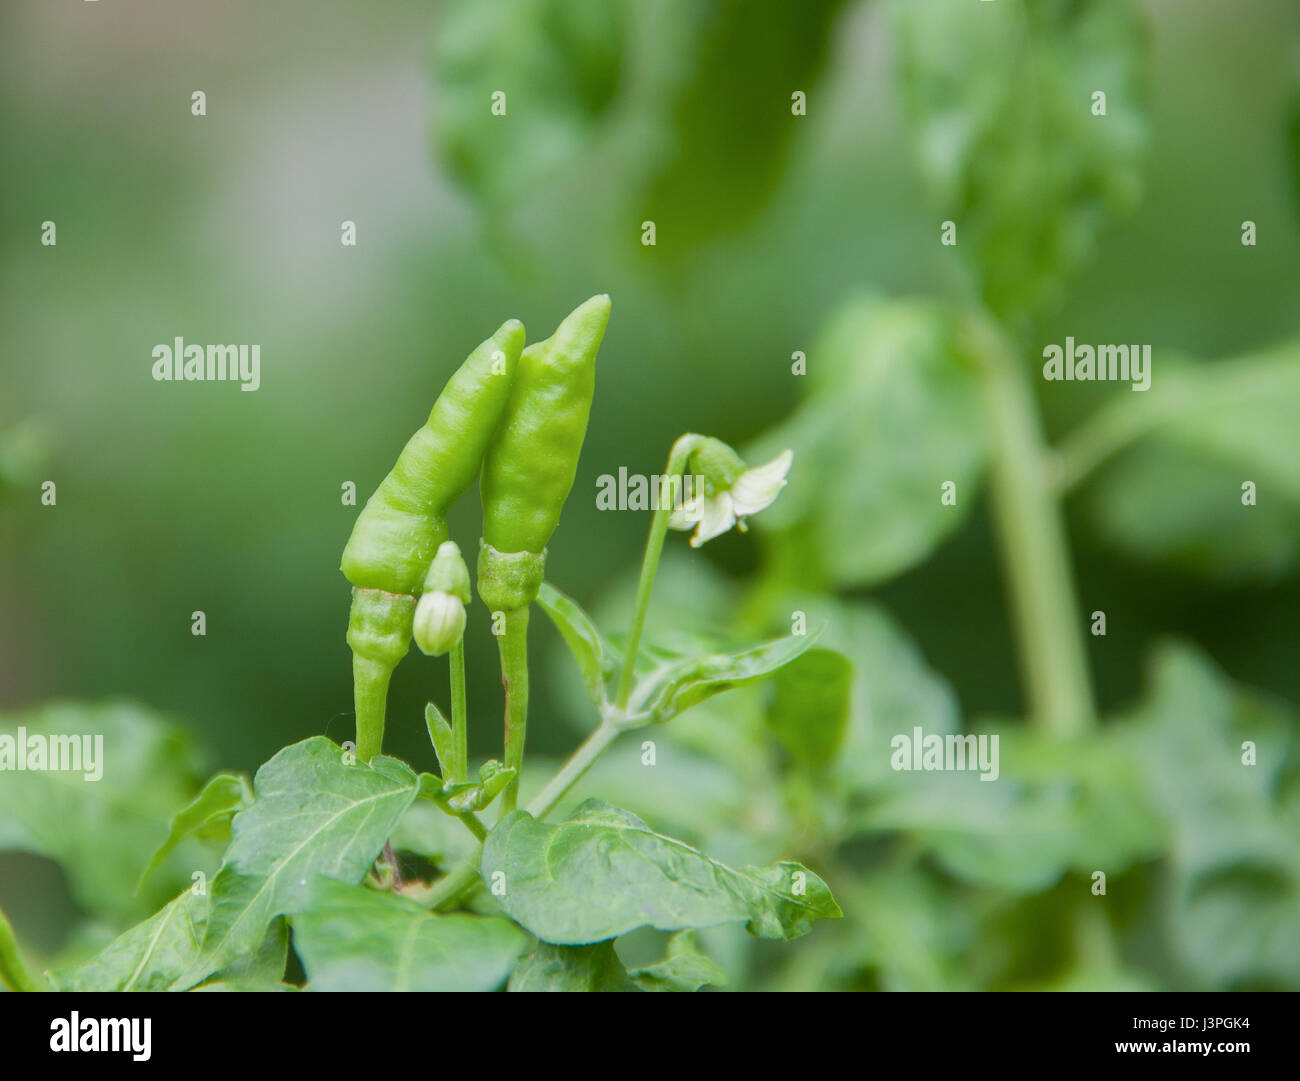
{"x":603,"y":872}
{"x":1235,"y":918}
{"x":158,"y":953}
{"x":680,"y":684}
{"x":355,"y":939}
{"x":892,"y":414}
{"x":1000,"y":101}
{"x":809,"y":708}
{"x":684,"y":968}
{"x":151,"y":956}
{"x":571,"y":968}
{"x":1176,"y":497}
{"x":312,"y":815}
{"x":595,"y":659}
{"x":101,"y":832}
{"x":207,"y":815}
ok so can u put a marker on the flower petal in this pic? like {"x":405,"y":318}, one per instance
{"x":686,"y":514}
{"x":716,"y":517}
{"x":756,"y":488}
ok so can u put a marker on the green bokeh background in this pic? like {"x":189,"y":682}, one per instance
{"x":225,"y":228}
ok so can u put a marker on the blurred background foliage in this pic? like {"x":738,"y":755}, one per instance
{"x":775,"y":234}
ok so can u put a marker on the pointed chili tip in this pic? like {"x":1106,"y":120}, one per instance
{"x":583,"y":328}
{"x":510,"y":334}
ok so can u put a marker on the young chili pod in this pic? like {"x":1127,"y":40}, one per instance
{"x":402,"y":524}
{"x":533,"y":458}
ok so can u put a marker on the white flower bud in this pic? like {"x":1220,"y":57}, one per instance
{"x":439,"y":622}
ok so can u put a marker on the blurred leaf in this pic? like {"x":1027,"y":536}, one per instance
{"x":207,"y":815}
{"x":557,"y":61}
{"x":1236,"y":861}
{"x":312,"y":815}
{"x":355,"y":939}
{"x":1056,"y":805}
{"x":101,"y":832}
{"x":595,"y":659}
{"x":685,"y":109}
{"x":604,"y":872}
{"x":809,"y":709}
{"x":1000,"y":98}
{"x":731,"y":122}
{"x":677,"y":685}
{"x":684,"y":968}
{"x":891,"y":414}
{"x":572,"y":968}
{"x":1176,"y":497}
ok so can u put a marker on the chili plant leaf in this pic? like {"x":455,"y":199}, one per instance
{"x":100,"y":831}
{"x":207,"y":815}
{"x":557,"y":62}
{"x":809,"y":708}
{"x":312,"y":815}
{"x":1235,"y":890}
{"x":355,"y":939}
{"x":1176,"y":498}
{"x":157,"y":954}
{"x":603,"y":872}
{"x":596,"y":660}
{"x":893,"y":414}
{"x":678,"y":685}
{"x":571,"y":968}
{"x":684,"y":968}
{"x":1000,"y":98}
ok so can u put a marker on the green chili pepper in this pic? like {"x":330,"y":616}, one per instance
{"x":533,"y":458}
{"x":527,"y":475}
{"x":403,"y":524}
{"x":399,"y":530}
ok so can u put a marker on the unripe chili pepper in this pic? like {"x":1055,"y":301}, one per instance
{"x":527,"y":475}
{"x":404,"y":522}
{"x":533,"y":458}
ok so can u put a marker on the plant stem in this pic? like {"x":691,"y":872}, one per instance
{"x":581,"y":761}
{"x":450,"y":887}
{"x":370,"y":695}
{"x":1035,"y":557}
{"x":677,"y":459}
{"x":474,"y":823}
{"x":457,"y":882}
{"x":459,"y":722}
{"x":13,"y":973}
{"x":513,"y":643}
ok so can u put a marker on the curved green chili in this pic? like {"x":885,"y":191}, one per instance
{"x":403,"y":524}
{"x":533,"y":458}
{"x":528,"y":472}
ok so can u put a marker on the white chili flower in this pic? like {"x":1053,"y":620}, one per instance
{"x":735,"y":492}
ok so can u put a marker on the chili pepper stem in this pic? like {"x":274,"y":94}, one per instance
{"x":370,"y":690}
{"x":677,"y":459}
{"x":459,"y":721}
{"x":513,"y":643}
{"x":572,"y":771}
